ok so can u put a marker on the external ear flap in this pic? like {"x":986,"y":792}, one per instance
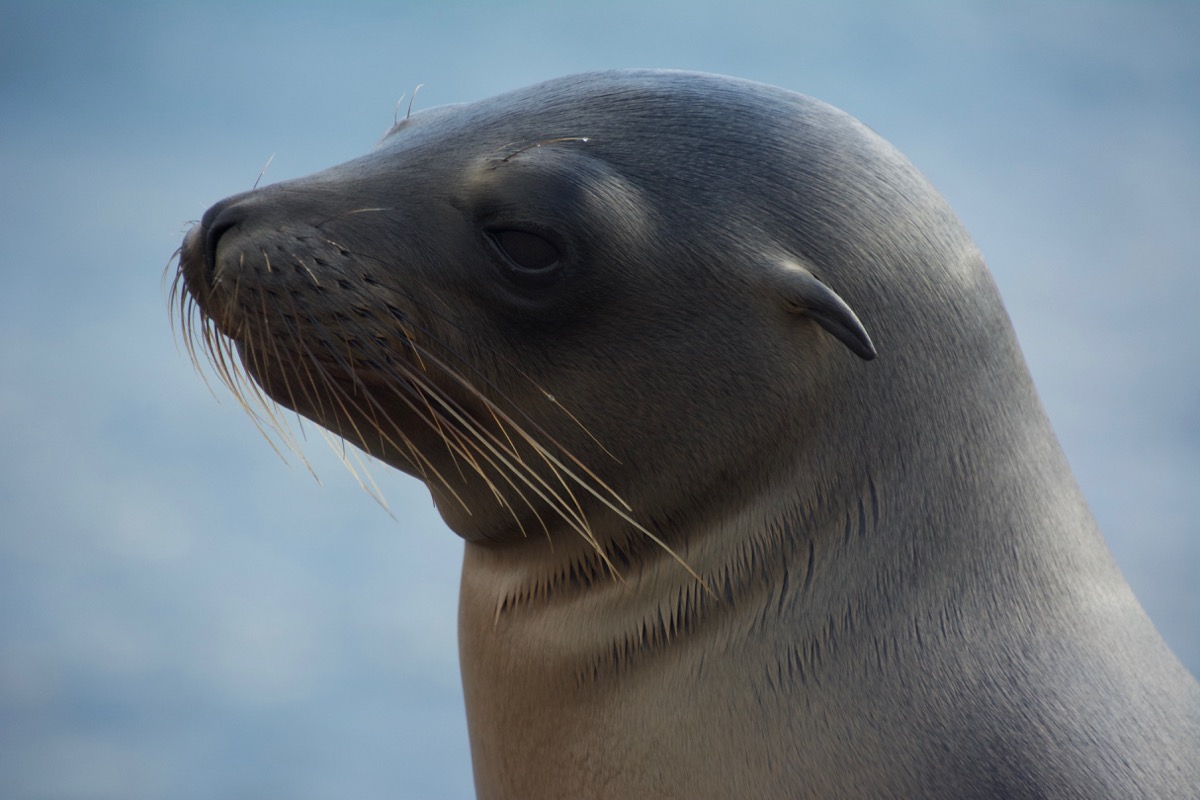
{"x":806,"y":295}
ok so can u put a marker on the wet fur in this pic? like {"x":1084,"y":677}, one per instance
{"x":837,"y":578}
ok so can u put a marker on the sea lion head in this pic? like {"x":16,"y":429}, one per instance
{"x":610,"y":299}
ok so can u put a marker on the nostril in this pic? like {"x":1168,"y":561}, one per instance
{"x":218,"y":221}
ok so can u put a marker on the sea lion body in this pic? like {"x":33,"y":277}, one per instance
{"x":621,"y":324}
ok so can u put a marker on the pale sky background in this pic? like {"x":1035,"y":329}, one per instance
{"x":184,"y":616}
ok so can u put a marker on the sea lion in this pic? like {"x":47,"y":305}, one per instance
{"x":624,"y":325}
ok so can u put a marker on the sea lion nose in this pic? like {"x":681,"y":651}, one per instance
{"x":218,"y":221}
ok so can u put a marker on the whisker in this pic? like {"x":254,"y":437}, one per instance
{"x":321,"y":370}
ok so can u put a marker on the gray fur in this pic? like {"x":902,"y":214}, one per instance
{"x":903,"y":592}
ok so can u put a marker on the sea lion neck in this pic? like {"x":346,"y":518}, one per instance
{"x":643,"y":602}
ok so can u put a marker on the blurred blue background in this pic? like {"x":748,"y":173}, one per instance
{"x":182,"y":615}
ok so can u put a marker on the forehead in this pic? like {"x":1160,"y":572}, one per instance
{"x":671,"y":109}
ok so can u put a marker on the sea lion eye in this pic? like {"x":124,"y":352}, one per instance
{"x":527,"y":252}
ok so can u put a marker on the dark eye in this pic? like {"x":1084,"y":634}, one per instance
{"x":531,"y":256}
